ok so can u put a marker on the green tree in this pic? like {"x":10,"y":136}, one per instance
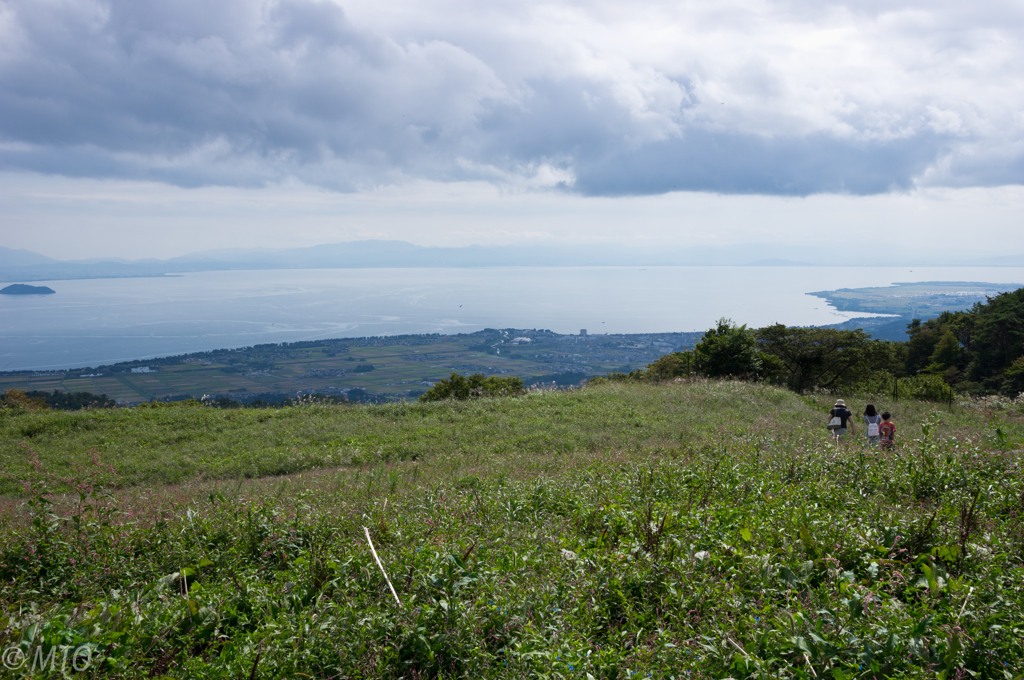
{"x":669,"y":366}
{"x":1013,"y":377}
{"x":996,"y":337}
{"x":976,"y":349}
{"x":728,"y":350}
{"x":923,"y":338}
{"x":73,"y":401}
{"x":477,"y":385}
{"x":946,"y":354}
{"x":823,"y":357}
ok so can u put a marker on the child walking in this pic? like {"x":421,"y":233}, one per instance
{"x":872,"y":420}
{"x":887,"y":432}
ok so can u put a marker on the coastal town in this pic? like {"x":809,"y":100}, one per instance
{"x":385,"y":368}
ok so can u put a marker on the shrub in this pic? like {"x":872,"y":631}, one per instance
{"x":670,"y":366}
{"x":17,"y":401}
{"x":477,"y":385}
{"x":635,"y":375}
{"x":923,"y":387}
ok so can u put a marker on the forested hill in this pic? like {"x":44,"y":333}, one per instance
{"x":978,"y":351}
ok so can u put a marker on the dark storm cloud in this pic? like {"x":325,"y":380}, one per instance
{"x":179,"y":92}
{"x":245,"y":92}
{"x":704,"y":160}
{"x":735,"y":164}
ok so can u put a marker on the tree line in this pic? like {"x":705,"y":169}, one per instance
{"x":38,"y":400}
{"x":978,"y":351}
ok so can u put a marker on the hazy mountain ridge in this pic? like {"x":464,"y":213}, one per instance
{"x":23,"y":265}
{"x":14,"y":257}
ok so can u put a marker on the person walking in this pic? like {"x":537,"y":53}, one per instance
{"x":887,"y":431}
{"x":840,"y":420}
{"x":873,"y":421}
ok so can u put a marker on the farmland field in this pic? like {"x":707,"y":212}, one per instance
{"x":402,"y":366}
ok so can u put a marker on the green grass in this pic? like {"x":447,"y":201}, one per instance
{"x":702,"y":529}
{"x":173,"y":443}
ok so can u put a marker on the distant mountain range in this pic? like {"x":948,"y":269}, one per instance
{"x":24,"y":265}
{"x":11,"y":257}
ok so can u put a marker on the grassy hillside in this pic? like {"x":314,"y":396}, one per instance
{"x":175,"y":442}
{"x":699,"y":529}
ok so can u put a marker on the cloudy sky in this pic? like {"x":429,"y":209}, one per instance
{"x":152,"y":128}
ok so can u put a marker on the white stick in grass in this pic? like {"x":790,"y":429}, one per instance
{"x":965,"y":604}
{"x":377,"y":559}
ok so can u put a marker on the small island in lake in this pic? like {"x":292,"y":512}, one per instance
{"x":22,"y":289}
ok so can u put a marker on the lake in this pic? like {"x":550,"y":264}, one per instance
{"x":101,"y":321}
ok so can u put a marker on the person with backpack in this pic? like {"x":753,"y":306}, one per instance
{"x":887,"y":432}
{"x":838,"y":419}
{"x":873,"y":422}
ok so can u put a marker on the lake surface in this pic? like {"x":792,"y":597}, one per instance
{"x":101,"y":321}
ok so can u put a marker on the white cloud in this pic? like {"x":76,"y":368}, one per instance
{"x":598,"y":97}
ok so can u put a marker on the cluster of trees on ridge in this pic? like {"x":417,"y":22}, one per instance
{"x":37,"y":400}
{"x":477,"y":385}
{"x":978,"y":351}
